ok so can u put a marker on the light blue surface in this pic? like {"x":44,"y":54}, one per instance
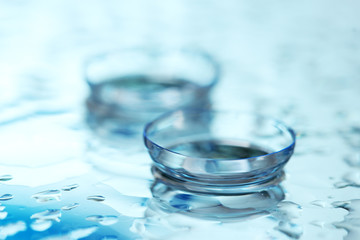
{"x":298,"y":61}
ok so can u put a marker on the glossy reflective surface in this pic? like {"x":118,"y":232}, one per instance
{"x":296,"y":61}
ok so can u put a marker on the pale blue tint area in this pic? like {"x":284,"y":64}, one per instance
{"x":297,"y":61}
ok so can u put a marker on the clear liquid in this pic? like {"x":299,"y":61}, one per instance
{"x":218,"y":149}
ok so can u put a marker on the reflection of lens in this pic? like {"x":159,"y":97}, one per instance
{"x":132,"y":86}
{"x":168,"y":197}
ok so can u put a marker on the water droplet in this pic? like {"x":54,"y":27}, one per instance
{"x":351,"y":220}
{"x":352,"y":178}
{"x":341,"y":184}
{"x":352,"y":136}
{"x":41,"y":225}
{"x":47,"y":195}
{"x":287,"y":210}
{"x":320,"y":224}
{"x":5,"y":177}
{"x":11,"y":229}
{"x":75,"y":234}
{"x":353,"y":160}
{"x":82,"y":232}
{"x":50,"y":214}
{"x":290,"y":229}
{"x":96,"y":198}
{"x":6,"y":197}
{"x":70,"y":187}
{"x":341,"y":204}
{"x":70,"y":206}
{"x":349,"y":179}
{"x":103,"y":220}
{"x":138,"y":226}
{"x":2,"y":207}
{"x":3,"y":215}
{"x":320,"y":203}
{"x":156,"y":227}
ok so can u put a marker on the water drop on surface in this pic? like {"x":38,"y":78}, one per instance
{"x":138,"y":226}
{"x":103,"y":220}
{"x":3,"y":215}
{"x":352,"y":178}
{"x":11,"y":229}
{"x":6,"y":177}
{"x":47,"y":195}
{"x":287,"y":210}
{"x":70,"y":206}
{"x":50,"y":214}
{"x":351,"y":221}
{"x":341,"y":184}
{"x":41,"y":225}
{"x":353,"y":160}
{"x":96,"y":198}
{"x":70,"y":187}
{"x":82,"y":232}
{"x":320,"y":224}
{"x":6,"y":197}
{"x":94,"y":218}
{"x":109,"y":220}
{"x":320,"y":203}
{"x":2,"y":207}
{"x":341,"y":204}
{"x":290,"y":229}
{"x":352,"y":136}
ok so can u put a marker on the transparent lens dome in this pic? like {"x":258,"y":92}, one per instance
{"x":216,"y":150}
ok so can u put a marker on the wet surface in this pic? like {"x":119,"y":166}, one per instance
{"x":298,"y":62}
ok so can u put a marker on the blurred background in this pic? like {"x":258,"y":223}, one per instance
{"x":284,"y":45}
